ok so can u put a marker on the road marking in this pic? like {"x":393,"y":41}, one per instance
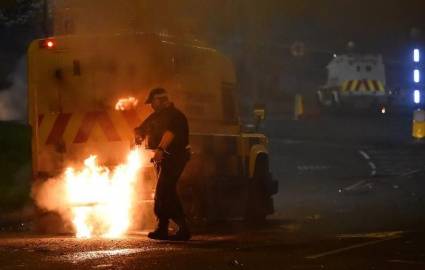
{"x":340,"y":250}
{"x":355,"y":185}
{"x":364,"y":154}
{"x":411,"y":172}
{"x":313,"y":167}
{"x":369,"y":162}
{"x":373,"y":167}
{"x":406,"y":262}
{"x":376,"y":235}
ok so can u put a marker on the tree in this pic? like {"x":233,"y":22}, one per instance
{"x":20,"y":12}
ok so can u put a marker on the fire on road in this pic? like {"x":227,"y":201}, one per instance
{"x":96,"y":200}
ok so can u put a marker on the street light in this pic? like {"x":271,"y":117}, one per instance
{"x":416,"y":55}
{"x":416,"y":75}
{"x":417,"y":96}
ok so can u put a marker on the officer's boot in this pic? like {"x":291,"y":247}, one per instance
{"x":183,"y":233}
{"x":161,"y":232}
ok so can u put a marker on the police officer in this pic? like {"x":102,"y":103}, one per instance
{"x":166,"y":132}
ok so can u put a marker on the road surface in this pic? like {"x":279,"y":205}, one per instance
{"x":346,"y":201}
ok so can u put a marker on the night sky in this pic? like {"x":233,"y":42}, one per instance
{"x":379,"y":26}
{"x":257,"y":29}
{"x":375,"y":25}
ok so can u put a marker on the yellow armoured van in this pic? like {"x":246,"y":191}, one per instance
{"x":74,"y":85}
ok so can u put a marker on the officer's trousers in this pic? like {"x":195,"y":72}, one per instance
{"x":167,"y":202}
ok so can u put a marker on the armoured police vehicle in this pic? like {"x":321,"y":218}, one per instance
{"x":75,"y":82}
{"x":355,"y":81}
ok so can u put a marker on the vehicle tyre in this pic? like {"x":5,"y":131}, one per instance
{"x":50,"y":223}
{"x":258,"y":201}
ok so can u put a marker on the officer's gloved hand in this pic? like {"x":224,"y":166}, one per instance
{"x":138,"y":136}
{"x":138,"y":140}
{"x":158,"y":155}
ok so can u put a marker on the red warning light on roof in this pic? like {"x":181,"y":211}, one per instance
{"x":47,"y":44}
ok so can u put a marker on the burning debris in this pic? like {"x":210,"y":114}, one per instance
{"x":96,"y":200}
{"x":125,"y":104}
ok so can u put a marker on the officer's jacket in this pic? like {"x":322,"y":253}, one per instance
{"x":155,"y":125}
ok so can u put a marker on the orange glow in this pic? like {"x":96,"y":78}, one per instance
{"x":50,"y":44}
{"x":101,"y":200}
{"x":125,"y":104}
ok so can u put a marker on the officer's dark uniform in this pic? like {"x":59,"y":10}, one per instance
{"x":167,"y":203}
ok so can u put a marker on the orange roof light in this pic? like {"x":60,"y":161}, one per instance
{"x":50,"y":44}
{"x":47,"y":44}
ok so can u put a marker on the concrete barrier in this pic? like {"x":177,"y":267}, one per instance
{"x":418,"y":130}
{"x":298,"y":107}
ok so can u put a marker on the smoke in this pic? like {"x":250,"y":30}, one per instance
{"x":49,"y":196}
{"x":95,"y":199}
{"x":110,"y":16}
{"x":13,"y":101}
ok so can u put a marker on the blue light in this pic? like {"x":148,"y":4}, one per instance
{"x":416,"y":76}
{"x":417,"y":96}
{"x":416,"y":55}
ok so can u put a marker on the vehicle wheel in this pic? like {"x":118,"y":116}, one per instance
{"x":257,"y":200}
{"x":50,"y":222}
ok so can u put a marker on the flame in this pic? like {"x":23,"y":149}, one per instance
{"x":125,"y":104}
{"x":101,"y":199}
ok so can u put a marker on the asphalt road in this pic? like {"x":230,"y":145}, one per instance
{"x":279,"y":246}
{"x":343,"y":204}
